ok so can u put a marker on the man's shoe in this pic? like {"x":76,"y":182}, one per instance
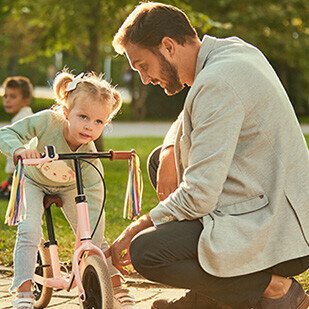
{"x":191,"y":300}
{"x":295,"y":298}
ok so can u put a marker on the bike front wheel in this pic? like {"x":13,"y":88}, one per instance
{"x":97,"y":284}
{"x":42,"y":294}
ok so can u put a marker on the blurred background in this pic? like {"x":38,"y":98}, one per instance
{"x":40,"y":37}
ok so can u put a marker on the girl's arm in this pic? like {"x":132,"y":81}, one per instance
{"x":21,"y":132}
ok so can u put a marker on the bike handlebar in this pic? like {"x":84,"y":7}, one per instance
{"x":51,"y":155}
{"x":121,"y":155}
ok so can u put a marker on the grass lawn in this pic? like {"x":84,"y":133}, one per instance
{"x":116,"y":179}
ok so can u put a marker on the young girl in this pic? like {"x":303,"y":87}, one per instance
{"x":87,"y":103}
{"x":16,"y":102}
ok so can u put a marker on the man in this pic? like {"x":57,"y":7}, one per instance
{"x":233,"y":174}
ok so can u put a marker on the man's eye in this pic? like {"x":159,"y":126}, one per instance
{"x":144,"y":67}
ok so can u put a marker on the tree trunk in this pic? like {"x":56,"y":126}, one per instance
{"x":12,"y":65}
{"x":93,"y":55}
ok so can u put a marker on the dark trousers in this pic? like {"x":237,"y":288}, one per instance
{"x":168,"y":254}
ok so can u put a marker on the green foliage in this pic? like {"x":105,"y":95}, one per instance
{"x":279,"y":29}
{"x":163,"y":107}
{"x":304,"y":119}
{"x":38,"y":104}
{"x":83,"y":30}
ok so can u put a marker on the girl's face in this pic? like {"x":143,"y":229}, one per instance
{"x":13,"y":100}
{"x":85,"y":121}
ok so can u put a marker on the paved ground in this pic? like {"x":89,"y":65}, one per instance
{"x":144,"y":292}
{"x":127,"y":129}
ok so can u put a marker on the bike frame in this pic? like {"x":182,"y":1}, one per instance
{"x":83,"y":241}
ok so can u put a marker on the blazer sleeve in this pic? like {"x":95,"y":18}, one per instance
{"x":217,"y":115}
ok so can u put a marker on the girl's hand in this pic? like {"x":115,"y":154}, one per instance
{"x":23,"y":153}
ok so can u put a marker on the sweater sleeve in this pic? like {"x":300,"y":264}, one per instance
{"x":21,"y":132}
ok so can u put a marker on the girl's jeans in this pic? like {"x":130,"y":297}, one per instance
{"x":29,"y":231}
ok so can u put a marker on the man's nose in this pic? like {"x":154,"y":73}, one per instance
{"x":145,"y":78}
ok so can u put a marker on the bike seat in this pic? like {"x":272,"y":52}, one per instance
{"x":50,"y":199}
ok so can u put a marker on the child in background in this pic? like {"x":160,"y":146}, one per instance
{"x":86,"y":104}
{"x":16,"y":101}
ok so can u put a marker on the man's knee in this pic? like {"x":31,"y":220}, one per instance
{"x":144,"y":257}
{"x":138,"y":250}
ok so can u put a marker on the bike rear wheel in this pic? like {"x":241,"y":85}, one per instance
{"x":97,"y":284}
{"x":42,"y":294}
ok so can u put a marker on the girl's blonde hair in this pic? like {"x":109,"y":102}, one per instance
{"x":68,"y":87}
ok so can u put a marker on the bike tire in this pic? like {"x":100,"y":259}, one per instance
{"x":42,"y":294}
{"x":97,"y":284}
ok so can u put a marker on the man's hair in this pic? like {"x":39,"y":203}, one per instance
{"x":149,"y":23}
{"x":22,"y":83}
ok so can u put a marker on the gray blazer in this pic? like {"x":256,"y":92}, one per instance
{"x":242,"y":161}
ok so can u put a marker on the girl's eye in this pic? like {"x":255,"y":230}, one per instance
{"x":83,"y":117}
{"x":99,"y":121}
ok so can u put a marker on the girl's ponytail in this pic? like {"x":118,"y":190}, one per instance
{"x":59,"y":86}
{"x":116,"y":104}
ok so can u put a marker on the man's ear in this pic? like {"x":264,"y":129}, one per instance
{"x":168,"y":46}
{"x":65,"y":111}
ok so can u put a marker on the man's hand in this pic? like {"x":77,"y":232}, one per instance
{"x":24,"y":153}
{"x":119,"y":250}
{"x":167,"y":174}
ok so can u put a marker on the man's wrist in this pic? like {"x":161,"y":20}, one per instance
{"x":141,"y":224}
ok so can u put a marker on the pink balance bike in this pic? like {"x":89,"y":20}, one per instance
{"x":89,"y":269}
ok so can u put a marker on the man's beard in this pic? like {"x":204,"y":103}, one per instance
{"x":170,"y":76}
